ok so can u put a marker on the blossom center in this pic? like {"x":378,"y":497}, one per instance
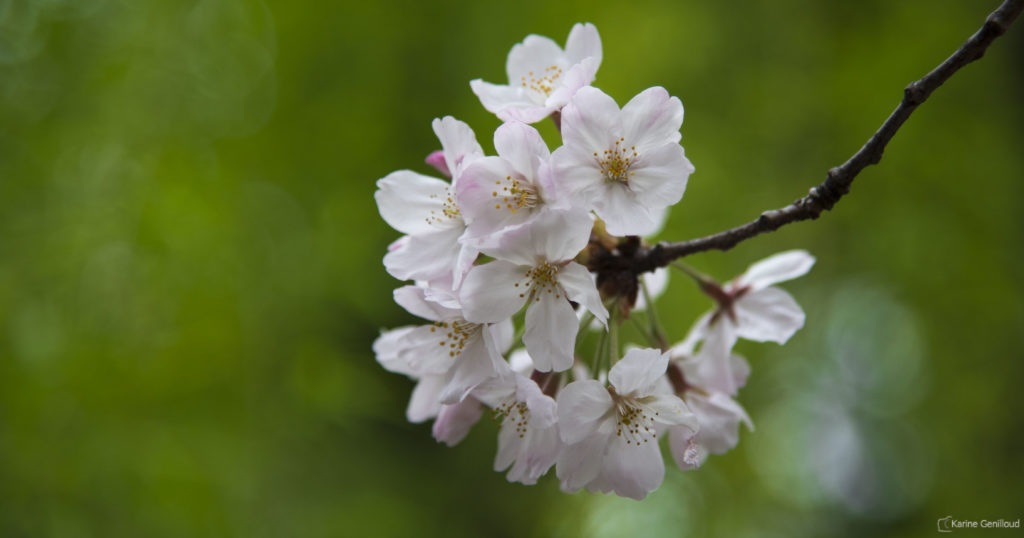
{"x":456,"y":334}
{"x":633,"y":422}
{"x":514,"y":412}
{"x":615,"y":162}
{"x":515,"y":194}
{"x":539,"y":279}
{"x":544,"y":82}
{"x":449,"y":209}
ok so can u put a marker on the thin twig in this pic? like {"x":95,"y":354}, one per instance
{"x":837,"y":184}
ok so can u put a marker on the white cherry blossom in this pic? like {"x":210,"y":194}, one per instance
{"x":750,"y":307}
{"x":542,"y":77}
{"x":627,"y":165}
{"x":718,"y":414}
{"x":426,"y":210}
{"x":534,"y":265}
{"x":528,"y":442}
{"x":611,"y":433}
{"x":496,"y":193}
{"x":450,"y":357}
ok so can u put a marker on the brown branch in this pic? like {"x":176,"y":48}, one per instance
{"x":837,"y":184}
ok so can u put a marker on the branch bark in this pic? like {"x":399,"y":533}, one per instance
{"x":824,"y":196}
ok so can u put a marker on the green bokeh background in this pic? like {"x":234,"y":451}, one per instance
{"x":190,"y":275}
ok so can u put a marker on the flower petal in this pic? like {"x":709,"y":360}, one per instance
{"x":591,"y":121}
{"x":581,"y":407}
{"x":522,"y":147}
{"x":632,"y":471}
{"x":659,"y":178}
{"x":638,"y":371}
{"x":583,"y":42}
{"x":425,"y":402}
{"x":652,"y":118}
{"x":406,"y":200}
{"x":454,"y":421}
{"x":414,"y":300}
{"x":489,"y":294}
{"x":531,"y":57}
{"x":670,"y":410}
{"x":768,"y":315}
{"x":580,"y":463}
{"x":622,"y":212}
{"x":778,"y":268}
{"x":424,"y":257}
{"x":551,"y":327}
{"x":537,"y":454}
{"x":580,"y":287}
{"x":458,"y":143}
{"x":498,"y":98}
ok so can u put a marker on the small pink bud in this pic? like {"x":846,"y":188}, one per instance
{"x":436,"y":159}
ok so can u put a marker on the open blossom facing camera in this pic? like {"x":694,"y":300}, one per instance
{"x":626,"y":164}
{"x":541,"y":76}
{"x":518,"y":251}
{"x":611,"y":433}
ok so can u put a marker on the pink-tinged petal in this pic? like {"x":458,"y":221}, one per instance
{"x":406,"y":201}
{"x":632,"y":471}
{"x":651,"y":119}
{"x":530,"y":59}
{"x":523,"y":148}
{"x":713,"y":365}
{"x":424,"y":257}
{"x":659,"y":178}
{"x":425,"y":402}
{"x":670,"y":410}
{"x":580,"y":463}
{"x":687,"y":454}
{"x":551,"y":327}
{"x":580,"y":287}
{"x":489,"y":293}
{"x":778,"y":268}
{"x":496,"y":98}
{"x":582,"y":405}
{"x":583,"y":42}
{"x":483,"y":199}
{"x":768,"y":315}
{"x":525,"y":114}
{"x":436,"y":159}
{"x":638,"y":371}
{"x":454,"y":421}
{"x":622,"y":213}
{"x":414,"y":300}
{"x":537,"y":453}
{"x":472,"y":367}
{"x":591,"y":121}
{"x":458,"y":143}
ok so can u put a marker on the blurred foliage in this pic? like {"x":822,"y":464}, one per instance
{"x":190,"y":276}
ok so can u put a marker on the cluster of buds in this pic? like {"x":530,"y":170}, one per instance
{"x":517,"y":259}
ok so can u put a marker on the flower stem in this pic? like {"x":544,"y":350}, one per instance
{"x":652,"y":315}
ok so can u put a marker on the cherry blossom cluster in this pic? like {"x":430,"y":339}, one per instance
{"x":504,"y":254}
